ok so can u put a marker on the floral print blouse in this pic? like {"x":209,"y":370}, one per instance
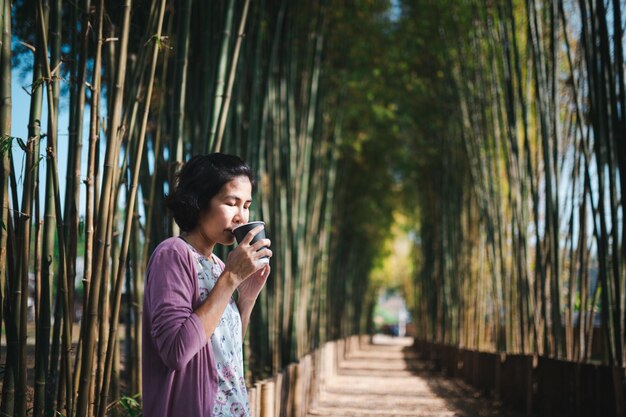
{"x":232,"y":396}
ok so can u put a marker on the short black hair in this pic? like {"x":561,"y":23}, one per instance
{"x":198,"y":181}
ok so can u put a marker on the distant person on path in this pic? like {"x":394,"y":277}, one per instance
{"x":193,"y":329}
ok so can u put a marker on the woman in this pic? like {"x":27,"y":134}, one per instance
{"x":193,"y":329}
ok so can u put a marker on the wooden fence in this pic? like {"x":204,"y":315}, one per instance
{"x":536,"y":385}
{"x":292,"y":392}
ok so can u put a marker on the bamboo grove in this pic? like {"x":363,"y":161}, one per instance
{"x":522,"y":230}
{"x":119,"y":95}
{"x":496,"y":128}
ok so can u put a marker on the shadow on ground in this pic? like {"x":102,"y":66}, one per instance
{"x":385,"y":378}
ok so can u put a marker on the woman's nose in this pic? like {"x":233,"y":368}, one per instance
{"x":240,"y":216}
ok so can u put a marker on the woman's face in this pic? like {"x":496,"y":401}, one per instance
{"x":227,"y":210}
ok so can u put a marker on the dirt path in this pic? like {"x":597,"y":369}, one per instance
{"x":385,"y":379}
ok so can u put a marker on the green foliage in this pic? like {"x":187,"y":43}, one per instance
{"x":6,"y":142}
{"x":394,"y":89}
{"x":128,"y":406}
{"x":399,"y":99}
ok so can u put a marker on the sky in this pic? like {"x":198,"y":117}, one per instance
{"x":21,"y":86}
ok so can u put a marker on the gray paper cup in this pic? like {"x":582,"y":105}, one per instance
{"x":240,"y":233}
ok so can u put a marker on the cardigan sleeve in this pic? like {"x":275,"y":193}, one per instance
{"x":176,"y":330}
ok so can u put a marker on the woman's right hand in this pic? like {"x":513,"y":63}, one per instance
{"x":244,"y":260}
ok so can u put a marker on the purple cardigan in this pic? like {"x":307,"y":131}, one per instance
{"x":178,"y":366}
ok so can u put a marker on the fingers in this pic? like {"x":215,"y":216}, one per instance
{"x":263,"y":253}
{"x":263,"y":271}
{"x":247,"y":258}
{"x":260,"y":243}
{"x":251,"y":234}
{"x":266,"y":271}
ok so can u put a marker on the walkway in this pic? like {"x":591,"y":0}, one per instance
{"x":385,"y":379}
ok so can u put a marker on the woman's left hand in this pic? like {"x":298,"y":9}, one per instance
{"x":249,"y":289}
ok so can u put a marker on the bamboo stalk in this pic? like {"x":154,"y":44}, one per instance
{"x":157,"y":155}
{"x":53,"y":176}
{"x":7,"y":404}
{"x":109,"y":267}
{"x":613,"y":124}
{"x":42,"y":341}
{"x":221,"y":73}
{"x":3,"y":178}
{"x":77,"y":110}
{"x":620,"y":134}
{"x":223,"y":114}
{"x":103,"y":208}
{"x":180,"y":82}
{"x":129,"y":218}
{"x":24,"y":243}
{"x":94,"y":137}
{"x":52,"y":388}
{"x":136,"y":306}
